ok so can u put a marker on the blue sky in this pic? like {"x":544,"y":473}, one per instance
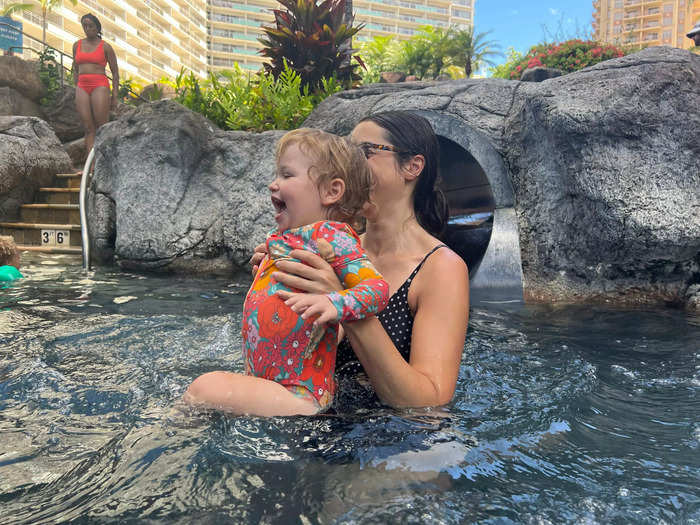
{"x":519,"y":24}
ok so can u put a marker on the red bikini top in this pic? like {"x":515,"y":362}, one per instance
{"x":96,"y":57}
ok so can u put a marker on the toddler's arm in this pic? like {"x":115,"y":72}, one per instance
{"x":366,"y":292}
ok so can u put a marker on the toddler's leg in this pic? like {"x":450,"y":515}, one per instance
{"x":241,"y":394}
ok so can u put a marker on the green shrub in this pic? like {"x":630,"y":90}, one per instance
{"x":238,"y":100}
{"x":568,"y":56}
{"x":50,"y":75}
{"x":379,"y":54}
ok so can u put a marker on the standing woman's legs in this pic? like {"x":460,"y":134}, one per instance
{"x":84,"y":108}
{"x":99,"y":101}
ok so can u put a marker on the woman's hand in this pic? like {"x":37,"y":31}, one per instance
{"x":258,"y":255}
{"x":311,"y":275}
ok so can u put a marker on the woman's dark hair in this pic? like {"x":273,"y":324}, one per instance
{"x":94,"y":20}
{"x":413,"y":135}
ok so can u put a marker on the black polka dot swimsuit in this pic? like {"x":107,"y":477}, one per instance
{"x":397,"y":320}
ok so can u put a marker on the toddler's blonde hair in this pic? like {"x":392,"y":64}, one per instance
{"x":8,"y":249}
{"x":334,"y":157}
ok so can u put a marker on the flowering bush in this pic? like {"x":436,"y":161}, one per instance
{"x":568,"y":56}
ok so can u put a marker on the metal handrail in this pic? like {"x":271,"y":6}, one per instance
{"x":61,"y":53}
{"x":84,"y":230}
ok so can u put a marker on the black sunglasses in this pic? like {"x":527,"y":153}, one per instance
{"x":370,"y":148}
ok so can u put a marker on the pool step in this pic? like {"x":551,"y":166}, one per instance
{"x":50,"y":213}
{"x":68,"y":180}
{"x":38,"y":234}
{"x":50,"y":249}
{"x":52,"y":223}
{"x":59,"y":195}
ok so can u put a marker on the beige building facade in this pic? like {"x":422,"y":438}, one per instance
{"x":152,"y":38}
{"x":156,"y":38}
{"x":645,"y":22}
{"x":234,"y":25}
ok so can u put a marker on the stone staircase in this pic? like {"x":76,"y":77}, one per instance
{"x":53,"y":223}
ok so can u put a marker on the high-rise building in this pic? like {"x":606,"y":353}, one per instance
{"x":151,"y":38}
{"x":645,"y":22}
{"x":156,"y":38}
{"x":234,"y":25}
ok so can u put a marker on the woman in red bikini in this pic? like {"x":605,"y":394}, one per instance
{"x":92,"y":97}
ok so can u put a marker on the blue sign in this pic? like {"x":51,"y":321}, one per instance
{"x":10,"y":37}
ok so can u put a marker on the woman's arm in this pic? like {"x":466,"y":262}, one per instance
{"x":75,"y":67}
{"x":114,"y":68}
{"x":440,"y":324}
{"x":442,"y":308}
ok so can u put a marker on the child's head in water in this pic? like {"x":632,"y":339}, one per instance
{"x":320,"y":176}
{"x":9,"y":255}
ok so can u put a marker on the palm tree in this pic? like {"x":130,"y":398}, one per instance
{"x":15,"y":8}
{"x":415,"y":57}
{"x":378,"y":54}
{"x":472,"y":51}
{"x":46,"y":7}
{"x":439,"y":41}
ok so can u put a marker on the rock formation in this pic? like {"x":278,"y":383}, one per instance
{"x":604,"y":165}
{"x":173,"y":192}
{"x":538,"y":74}
{"x":30,"y":156}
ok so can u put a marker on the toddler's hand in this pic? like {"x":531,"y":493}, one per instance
{"x":310,"y":305}
{"x":258,"y":255}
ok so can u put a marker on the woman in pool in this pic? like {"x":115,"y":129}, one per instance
{"x":411,"y":351}
{"x":92,"y":96}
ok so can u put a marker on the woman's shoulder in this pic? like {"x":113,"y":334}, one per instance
{"x":443,"y":265}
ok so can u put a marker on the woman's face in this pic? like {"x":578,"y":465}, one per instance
{"x":384,"y":164}
{"x":89,"y":28}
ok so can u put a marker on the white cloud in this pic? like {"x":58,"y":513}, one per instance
{"x":553,"y":11}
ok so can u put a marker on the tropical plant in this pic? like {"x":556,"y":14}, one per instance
{"x":239,"y":100}
{"x":203,"y":99}
{"x":440,"y":43}
{"x":46,"y":7}
{"x":314,"y":40}
{"x":379,"y":54}
{"x":128,"y":88}
{"x":470,"y":50}
{"x":503,"y":70}
{"x":50,"y":75}
{"x":415,"y":57}
{"x":568,"y":56}
{"x":429,"y":53}
{"x":15,"y":8}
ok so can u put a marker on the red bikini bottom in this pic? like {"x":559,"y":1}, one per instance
{"x":88,"y":82}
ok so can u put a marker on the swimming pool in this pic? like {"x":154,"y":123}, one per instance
{"x":562,"y":414}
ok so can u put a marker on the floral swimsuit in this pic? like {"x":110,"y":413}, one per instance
{"x":281,"y":346}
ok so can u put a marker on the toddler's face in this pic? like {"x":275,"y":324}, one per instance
{"x":294,"y":194}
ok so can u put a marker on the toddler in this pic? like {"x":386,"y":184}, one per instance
{"x":322,"y":183}
{"x":9,"y":259}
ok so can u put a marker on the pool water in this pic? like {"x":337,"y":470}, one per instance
{"x":562,"y":414}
